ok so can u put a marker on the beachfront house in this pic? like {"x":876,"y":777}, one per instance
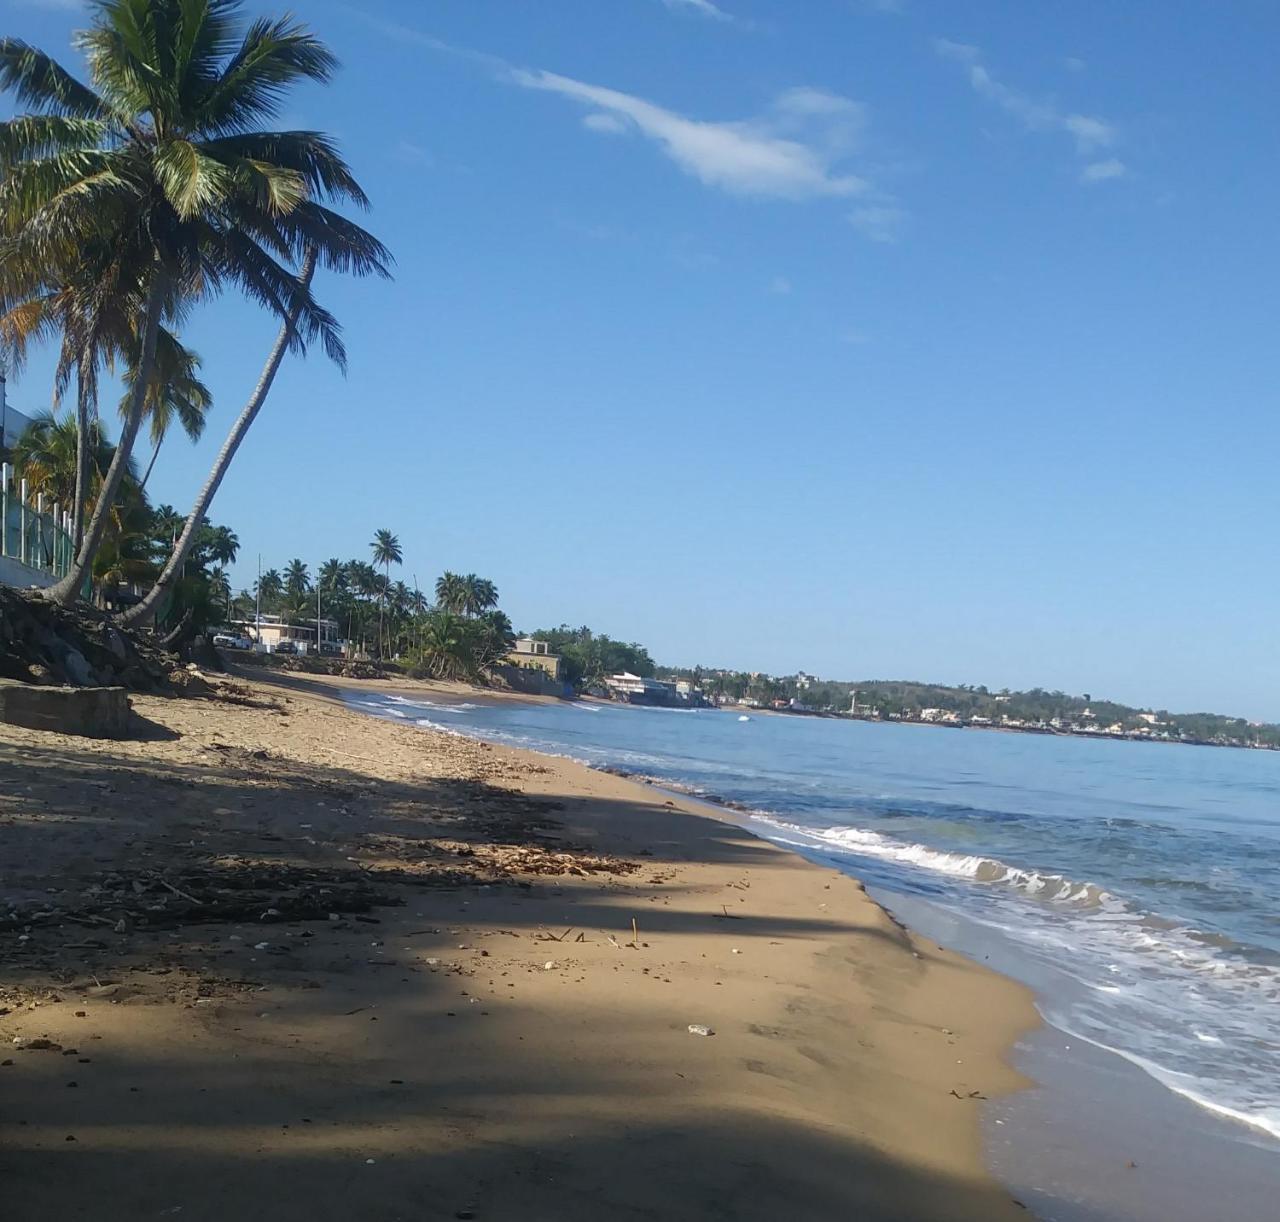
{"x":271,"y":631}
{"x":632,"y":689}
{"x":536,"y":655}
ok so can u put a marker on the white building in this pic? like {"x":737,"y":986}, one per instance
{"x":12,"y":422}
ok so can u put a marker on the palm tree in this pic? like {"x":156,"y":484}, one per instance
{"x":269,"y":587}
{"x":386,"y":552}
{"x":479,"y":594}
{"x":451,"y":592}
{"x":158,"y":171}
{"x":176,"y":392}
{"x":223,"y":545}
{"x":220,"y":589}
{"x":297,"y":580}
{"x":47,"y":457}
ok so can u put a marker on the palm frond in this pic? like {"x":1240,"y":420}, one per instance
{"x":28,"y":137}
{"x":273,"y":57}
{"x":314,"y":155}
{"x":41,"y":82}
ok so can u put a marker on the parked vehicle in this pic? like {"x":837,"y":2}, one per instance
{"x":224,"y":640}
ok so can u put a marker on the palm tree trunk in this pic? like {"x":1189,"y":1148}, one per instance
{"x":155,"y":453}
{"x":229,"y":447}
{"x":82,"y":459}
{"x":68,"y":589}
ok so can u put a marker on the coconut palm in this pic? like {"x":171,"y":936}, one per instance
{"x":223,"y":545}
{"x":480,"y":594}
{"x":159,"y":172}
{"x":220,"y":590}
{"x":269,"y":587}
{"x":297,"y":580}
{"x":451,"y":592}
{"x":386,"y":552}
{"x":176,"y":394}
{"x":46,"y":456}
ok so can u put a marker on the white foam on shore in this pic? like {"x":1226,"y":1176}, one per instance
{"x":1196,"y":1018}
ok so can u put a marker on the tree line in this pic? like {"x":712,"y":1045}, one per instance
{"x":454,"y":631}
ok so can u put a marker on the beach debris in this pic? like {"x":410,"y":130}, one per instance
{"x":735,"y":951}
{"x":549,"y":965}
{"x":700,"y":1029}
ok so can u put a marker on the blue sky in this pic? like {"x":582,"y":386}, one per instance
{"x":878,"y":339}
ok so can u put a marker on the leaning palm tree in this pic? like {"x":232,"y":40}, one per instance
{"x":159,"y":167}
{"x":386,"y":552}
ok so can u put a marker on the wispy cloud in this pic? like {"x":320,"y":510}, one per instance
{"x":1090,"y":133}
{"x":1100,"y":171}
{"x":795,"y":151}
{"x":602,"y":121}
{"x":878,"y":222}
{"x":800,"y":148}
{"x":1074,"y":63}
{"x":780,"y":286}
{"x":698,"y":8}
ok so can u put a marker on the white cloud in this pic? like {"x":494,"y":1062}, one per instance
{"x":965,"y":52}
{"x":698,"y":8}
{"x":781,"y":286}
{"x":409,"y":153}
{"x":793,"y":152}
{"x":1100,"y":171}
{"x":1090,"y":133}
{"x":1074,"y":64}
{"x":602,"y":121}
{"x":878,"y":222}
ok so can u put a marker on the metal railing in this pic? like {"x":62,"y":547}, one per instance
{"x":31,"y":532}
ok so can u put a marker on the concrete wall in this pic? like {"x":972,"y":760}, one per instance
{"x":91,"y":712}
{"x":15,"y":573}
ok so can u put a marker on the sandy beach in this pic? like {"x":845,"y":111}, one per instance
{"x":277,"y":959}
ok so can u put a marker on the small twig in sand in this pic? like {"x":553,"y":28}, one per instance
{"x":730,"y":916}
{"x":191,"y":899}
{"x":635,"y":934}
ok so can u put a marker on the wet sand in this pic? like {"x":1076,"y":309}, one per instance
{"x":279,"y":959}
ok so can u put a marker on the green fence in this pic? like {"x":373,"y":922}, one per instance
{"x":33,"y":533}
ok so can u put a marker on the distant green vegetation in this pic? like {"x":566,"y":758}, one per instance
{"x":588,"y":657}
{"x":1033,"y":709}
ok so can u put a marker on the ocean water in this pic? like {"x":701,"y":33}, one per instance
{"x":1136,"y":885}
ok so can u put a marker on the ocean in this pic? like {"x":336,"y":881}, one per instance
{"x":1135,"y":886}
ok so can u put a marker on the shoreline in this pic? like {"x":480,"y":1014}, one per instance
{"x":848,"y":1058}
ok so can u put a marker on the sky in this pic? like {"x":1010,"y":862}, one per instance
{"x":873,"y":338}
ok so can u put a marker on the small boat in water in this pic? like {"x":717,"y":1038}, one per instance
{"x":744,"y":717}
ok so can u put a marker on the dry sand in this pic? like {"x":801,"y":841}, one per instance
{"x":495,"y":1044}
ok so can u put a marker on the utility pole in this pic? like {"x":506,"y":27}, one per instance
{"x":319,"y":583}
{"x":257,"y":604}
